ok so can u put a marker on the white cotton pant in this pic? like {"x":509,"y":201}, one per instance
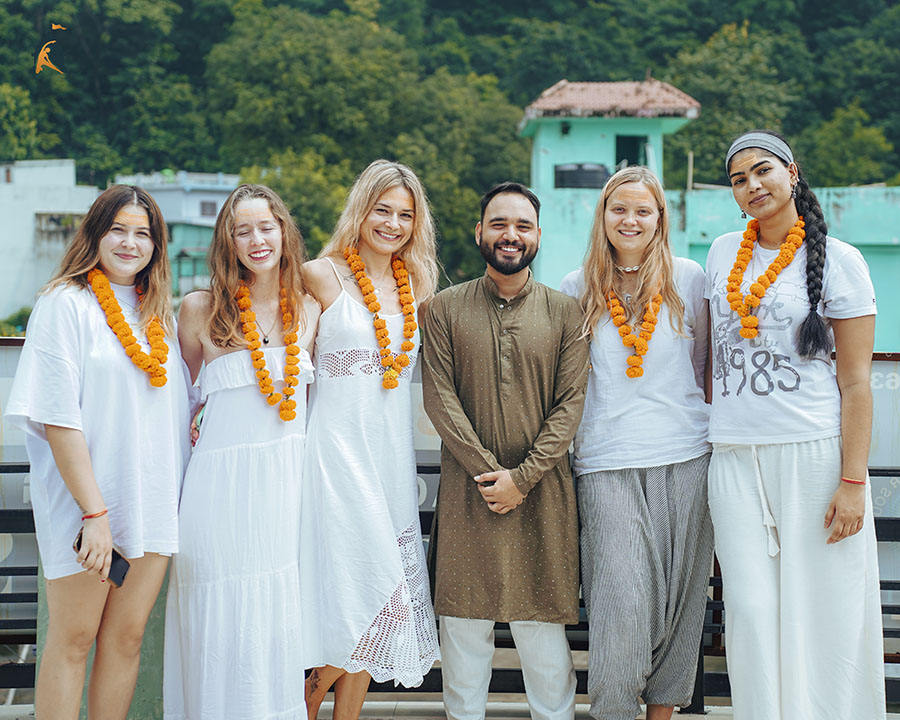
{"x":467,"y":649}
{"x":803,"y":634}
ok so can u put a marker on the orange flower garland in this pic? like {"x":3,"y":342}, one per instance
{"x":742,"y":305}
{"x":152,"y":364}
{"x":393,"y":363}
{"x":286,"y":410}
{"x":641,"y":341}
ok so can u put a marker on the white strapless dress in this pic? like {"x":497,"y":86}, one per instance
{"x":234,"y":647}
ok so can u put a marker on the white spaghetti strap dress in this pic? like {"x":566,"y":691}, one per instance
{"x":365,"y":592}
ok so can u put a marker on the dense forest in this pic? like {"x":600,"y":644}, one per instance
{"x":302,"y":94}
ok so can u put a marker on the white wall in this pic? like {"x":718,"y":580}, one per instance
{"x":37,"y":186}
{"x":179,"y":194}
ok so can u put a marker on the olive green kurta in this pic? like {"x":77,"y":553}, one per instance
{"x":504,"y":386}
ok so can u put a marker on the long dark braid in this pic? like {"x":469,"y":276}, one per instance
{"x":812,"y":338}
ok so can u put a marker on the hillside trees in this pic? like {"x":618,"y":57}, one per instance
{"x":739,"y":90}
{"x":303,"y":94}
{"x":339,"y":91}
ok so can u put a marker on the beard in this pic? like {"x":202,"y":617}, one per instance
{"x":507,"y":265}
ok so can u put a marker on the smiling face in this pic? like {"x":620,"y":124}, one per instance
{"x":389,"y":224}
{"x":631,"y":220}
{"x":127,"y":247}
{"x":761,"y":183}
{"x":257,"y":236}
{"x":509,"y":236}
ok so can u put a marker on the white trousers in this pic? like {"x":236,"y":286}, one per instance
{"x":803,"y":635}
{"x":467,"y":649}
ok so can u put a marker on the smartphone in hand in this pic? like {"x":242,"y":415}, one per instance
{"x":118,"y":567}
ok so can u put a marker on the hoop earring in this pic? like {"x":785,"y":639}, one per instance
{"x":743,"y":215}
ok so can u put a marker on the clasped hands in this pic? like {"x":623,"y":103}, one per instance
{"x":499,"y":491}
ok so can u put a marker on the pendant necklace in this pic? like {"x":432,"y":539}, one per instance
{"x":265,"y":338}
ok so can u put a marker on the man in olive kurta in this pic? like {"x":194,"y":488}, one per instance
{"x":505,"y":368}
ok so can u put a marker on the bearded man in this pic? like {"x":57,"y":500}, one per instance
{"x":505,"y":368}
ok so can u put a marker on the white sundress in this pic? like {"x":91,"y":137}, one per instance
{"x":233,"y":639}
{"x":365,"y":592}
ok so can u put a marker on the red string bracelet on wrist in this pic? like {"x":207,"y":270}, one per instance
{"x":95,"y":515}
{"x":853,"y":482}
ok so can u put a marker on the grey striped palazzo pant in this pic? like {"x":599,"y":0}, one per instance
{"x":646,"y":550}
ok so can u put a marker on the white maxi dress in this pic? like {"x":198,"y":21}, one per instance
{"x":366,"y":598}
{"x":233,"y":639}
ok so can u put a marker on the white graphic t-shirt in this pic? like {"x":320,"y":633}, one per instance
{"x":763,"y":391}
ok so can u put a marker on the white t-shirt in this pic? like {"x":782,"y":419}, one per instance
{"x":763,"y":391}
{"x":660,"y":418}
{"x":73,"y":372}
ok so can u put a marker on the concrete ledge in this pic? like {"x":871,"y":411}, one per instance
{"x":381,"y":710}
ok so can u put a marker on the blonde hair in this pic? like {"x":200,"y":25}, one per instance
{"x":83,"y":253}
{"x":227,"y":273}
{"x":419,"y":253}
{"x":656,"y":274}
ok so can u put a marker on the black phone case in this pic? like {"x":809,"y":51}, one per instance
{"x":118,"y":566}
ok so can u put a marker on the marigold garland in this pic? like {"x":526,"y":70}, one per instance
{"x":641,"y":341}
{"x":742,"y":305}
{"x":153,"y":363}
{"x":393,"y":363}
{"x":287,"y":409}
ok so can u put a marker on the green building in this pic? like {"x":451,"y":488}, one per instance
{"x":583,"y":132}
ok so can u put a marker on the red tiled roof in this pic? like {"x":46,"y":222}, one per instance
{"x":650,"y":98}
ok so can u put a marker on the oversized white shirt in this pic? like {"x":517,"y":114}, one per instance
{"x":73,"y":372}
{"x":660,"y":418}
{"x":763,"y":391}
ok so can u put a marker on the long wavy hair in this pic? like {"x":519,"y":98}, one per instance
{"x":812,"y":335}
{"x":419,"y":253}
{"x":227,"y":273}
{"x":656,"y":274}
{"x":83,"y":253}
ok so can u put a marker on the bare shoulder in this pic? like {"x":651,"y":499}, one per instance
{"x":195,"y":308}
{"x":311,"y":312}
{"x":319,"y":276}
{"x":318,"y":271}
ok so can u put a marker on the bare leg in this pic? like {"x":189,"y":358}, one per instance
{"x":659,"y":712}
{"x":350,"y":694}
{"x":318,"y":684}
{"x":118,"y":654}
{"x":76,"y":605}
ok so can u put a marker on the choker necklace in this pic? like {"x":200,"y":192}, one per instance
{"x":628,"y":269}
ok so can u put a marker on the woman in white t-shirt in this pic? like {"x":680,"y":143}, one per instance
{"x":790,"y":429}
{"x":100,"y":393}
{"x":641,"y":455}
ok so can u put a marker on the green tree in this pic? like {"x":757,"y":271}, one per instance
{"x":348,"y":90}
{"x":14,"y":325}
{"x":314,"y":189}
{"x":168,"y":126}
{"x":846,"y":150}
{"x":18,"y":128}
{"x":738,"y":89}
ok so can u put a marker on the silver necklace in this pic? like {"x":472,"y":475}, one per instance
{"x":628,"y":269}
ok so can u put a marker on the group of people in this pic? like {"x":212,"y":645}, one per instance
{"x":696,"y":401}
